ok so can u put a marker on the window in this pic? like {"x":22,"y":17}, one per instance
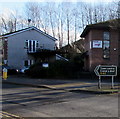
{"x":31,"y":45}
{"x":37,"y":44}
{"x":106,"y":45}
{"x":31,"y":62}
{"x":106,"y":36}
{"x":28,"y":62}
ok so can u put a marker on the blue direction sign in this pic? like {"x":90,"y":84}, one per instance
{"x":104,"y":70}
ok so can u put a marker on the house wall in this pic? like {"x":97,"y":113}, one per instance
{"x":17,"y":53}
{"x":87,"y":48}
{"x":95,"y":55}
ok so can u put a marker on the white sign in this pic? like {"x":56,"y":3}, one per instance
{"x":106,"y":70}
{"x":97,"y":44}
{"x":45,"y":65}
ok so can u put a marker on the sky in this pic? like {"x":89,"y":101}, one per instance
{"x":19,"y":4}
{"x":58,"y":0}
{"x":8,"y":6}
{"x":11,"y":5}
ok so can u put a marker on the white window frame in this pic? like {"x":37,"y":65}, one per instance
{"x":36,"y":45}
{"x":26,"y":42}
{"x":30,"y":62}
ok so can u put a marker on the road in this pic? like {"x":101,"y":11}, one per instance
{"x":41,"y":102}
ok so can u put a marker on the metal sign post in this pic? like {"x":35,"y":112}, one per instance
{"x":99,"y":83}
{"x":104,"y":70}
{"x":112,"y":82}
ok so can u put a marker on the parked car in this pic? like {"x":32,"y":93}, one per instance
{"x":24,"y":69}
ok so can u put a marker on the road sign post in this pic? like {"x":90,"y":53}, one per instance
{"x":99,"y":83}
{"x":112,"y":82}
{"x":105,"y":70}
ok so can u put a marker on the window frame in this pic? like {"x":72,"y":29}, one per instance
{"x":106,"y":46}
{"x":31,"y":45}
{"x":106,"y":35}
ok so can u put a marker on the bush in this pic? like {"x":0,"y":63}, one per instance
{"x":78,"y":62}
{"x":58,"y":69}
{"x":37,"y":71}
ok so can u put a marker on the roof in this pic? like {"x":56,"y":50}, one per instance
{"x":113,"y":24}
{"x":27,"y":29}
{"x":75,"y":47}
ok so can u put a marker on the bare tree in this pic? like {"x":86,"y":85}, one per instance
{"x":65,"y":21}
{"x":61,"y":25}
{"x":10,"y":23}
{"x":4,"y":24}
{"x":118,"y":10}
{"x":33,"y":12}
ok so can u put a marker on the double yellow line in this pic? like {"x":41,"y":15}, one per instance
{"x":5,"y":115}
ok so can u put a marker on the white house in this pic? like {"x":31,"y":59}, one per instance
{"x":27,"y":46}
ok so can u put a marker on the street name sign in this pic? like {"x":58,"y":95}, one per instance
{"x":104,"y":70}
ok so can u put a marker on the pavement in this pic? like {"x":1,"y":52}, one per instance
{"x":75,"y":85}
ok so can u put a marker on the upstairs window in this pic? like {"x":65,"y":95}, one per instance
{"x":106,"y":36}
{"x":37,"y":44}
{"x":106,"y":45}
{"x":31,"y":45}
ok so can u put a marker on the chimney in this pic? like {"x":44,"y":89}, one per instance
{"x":29,"y":20}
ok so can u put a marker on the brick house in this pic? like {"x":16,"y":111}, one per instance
{"x":24,"y":47}
{"x":102,"y":44}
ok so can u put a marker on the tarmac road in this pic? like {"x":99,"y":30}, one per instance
{"x":42,"y":102}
